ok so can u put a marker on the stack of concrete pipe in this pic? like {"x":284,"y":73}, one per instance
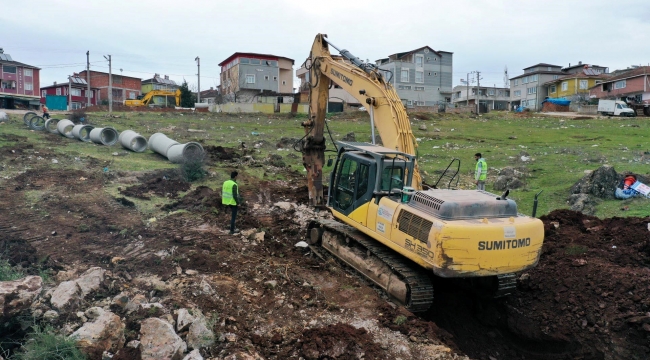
{"x":174,"y":151}
{"x":82,"y":132}
{"x":103,"y":136}
{"x":50,"y":125}
{"x":133,"y":141}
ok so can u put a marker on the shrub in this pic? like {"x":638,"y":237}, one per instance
{"x":78,"y":116}
{"x":193,"y":170}
{"x":44,"y":343}
{"x":7,"y":273}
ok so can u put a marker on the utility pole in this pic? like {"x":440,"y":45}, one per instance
{"x":69,"y":92}
{"x":198,"y":91}
{"x":478,"y":90}
{"x":88,"y":78}
{"x":110,"y":85}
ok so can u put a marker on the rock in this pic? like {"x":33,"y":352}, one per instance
{"x":66,"y":295}
{"x":117,"y":260}
{"x":583,"y":203}
{"x":230,"y":337}
{"x":159,"y":341}
{"x":184,"y":320}
{"x":349,"y":137}
{"x":199,"y":335}
{"x":205,"y":286}
{"x":135,"y":344}
{"x":191,"y":272}
{"x":301,"y":244}
{"x":50,"y":316}
{"x":121,"y":300}
{"x":271,"y":284}
{"x":3,"y":116}
{"x":18,"y":295}
{"x":239,"y":355}
{"x":248,"y":232}
{"x":91,"y":280}
{"x":104,"y":333}
{"x":193,"y":355}
{"x":436,"y":130}
{"x":422,"y":127}
{"x":259,"y":236}
{"x":136,"y":302}
{"x":107,"y":356}
{"x":81,"y":316}
{"x":283,"y":205}
{"x":601,"y":183}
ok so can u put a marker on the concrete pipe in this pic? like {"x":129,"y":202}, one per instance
{"x":133,"y":141}
{"x":104,"y":136}
{"x":82,"y":132}
{"x":160,"y":143}
{"x":181,"y":153}
{"x":65,"y":127}
{"x":28,"y":116}
{"x":50,"y":125}
{"x":37,"y":123}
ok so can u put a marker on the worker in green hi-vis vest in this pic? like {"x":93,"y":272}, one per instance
{"x":230,"y":198}
{"x":481,"y":171}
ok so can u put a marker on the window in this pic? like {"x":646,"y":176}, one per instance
{"x":132,"y":95}
{"x":9,"y":69}
{"x":117,"y":79}
{"x":28,"y":86}
{"x":548,"y":68}
{"x":391,"y":177}
{"x":583,"y":84}
{"x":409,"y":102}
{"x":404,"y":87}
{"x":419,"y":77}
{"x":255,"y":61}
{"x":555,"y":77}
{"x":517,"y":93}
{"x":75,"y":92}
{"x":405,"y":75}
{"x":58,"y":91}
{"x":420,"y":103}
{"x":266,"y":77}
{"x":244,"y":61}
{"x":28,"y":72}
{"x":44,"y":93}
{"x":271,"y":63}
{"x":524,"y":80}
{"x":346,"y":184}
{"x":552,"y":89}
{"x":89,"y":94}
{"x":76,"y":105}
{"x":620,"y":84}
{"x":508,"y":93}
{"x":284,"y":82}
{"x":532,"y":90}
{"x":419,"y":60}
{"x":565,"y":86}
{"x":275,"y":78}
{"x":419,"y":88}
{"x":250,"y":79}
{"x":533,"y":78}
{"x":491,"y":92}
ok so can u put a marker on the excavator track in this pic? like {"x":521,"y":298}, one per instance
{"x":406,"y":283}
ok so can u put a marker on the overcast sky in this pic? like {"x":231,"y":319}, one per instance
{"x":146,"y":37}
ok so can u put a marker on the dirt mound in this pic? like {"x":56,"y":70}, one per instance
{"x":339,"y":341}
{"x":219,"y":153}
{"x":591,"y":287}
{"x":159,"y":186}
{"x":600,"y":183}
{"x":287,"y":142}
{"x":201,"y":198}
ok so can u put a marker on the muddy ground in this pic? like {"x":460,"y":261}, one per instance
{"x":587,"y":298}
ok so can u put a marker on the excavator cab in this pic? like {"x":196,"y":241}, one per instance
{"x":364,"y":172}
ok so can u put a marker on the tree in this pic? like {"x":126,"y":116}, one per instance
{"x":187,"y":97}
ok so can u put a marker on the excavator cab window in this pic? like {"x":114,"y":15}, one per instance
{"x":353,"y":184}
{"x":392,"y":178}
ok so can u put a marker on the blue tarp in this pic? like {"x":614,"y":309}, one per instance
{"x":561,"y":101}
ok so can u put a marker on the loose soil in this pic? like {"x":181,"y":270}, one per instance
{"x":586,"y":299}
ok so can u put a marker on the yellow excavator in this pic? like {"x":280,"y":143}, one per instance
{"x":390,"y":229}
{"x":148,"y":97}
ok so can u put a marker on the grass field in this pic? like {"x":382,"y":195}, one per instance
{"x":560,"y":149}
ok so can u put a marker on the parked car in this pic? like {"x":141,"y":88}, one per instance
{"x":614,"y":108}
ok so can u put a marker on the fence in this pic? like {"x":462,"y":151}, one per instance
{"x":258,"y":108}
{"x":584,"y":109}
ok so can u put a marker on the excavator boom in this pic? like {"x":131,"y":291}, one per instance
{"x":367,"y":84}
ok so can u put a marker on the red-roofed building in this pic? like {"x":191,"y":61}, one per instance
{"x":632,"y":86}
{"x":246,"y":75}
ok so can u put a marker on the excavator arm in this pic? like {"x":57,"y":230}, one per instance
{"x":365,"y":83}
